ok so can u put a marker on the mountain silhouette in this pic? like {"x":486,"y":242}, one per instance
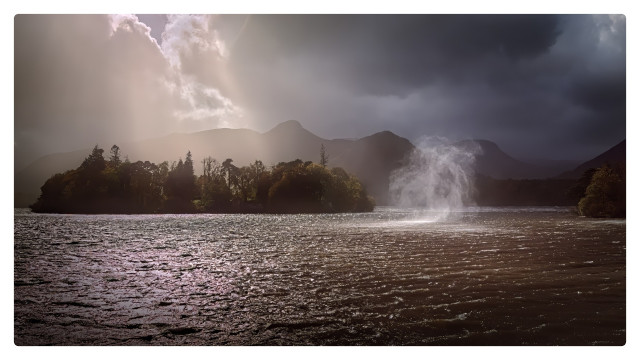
{"x":371,"y":158}
{"x":615,"y":155}
{"x":492,"y":161}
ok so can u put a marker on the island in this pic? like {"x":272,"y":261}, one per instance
{"x":114,"y":186}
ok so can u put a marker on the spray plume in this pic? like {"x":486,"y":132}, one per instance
{"x":438,"y":177}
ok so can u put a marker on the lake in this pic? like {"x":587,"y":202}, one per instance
{"x":480,"y":276}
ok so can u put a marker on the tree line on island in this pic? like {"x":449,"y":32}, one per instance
{"x":600,"y":192}
{"x":605,"y":195}
{"x":117,"y":186}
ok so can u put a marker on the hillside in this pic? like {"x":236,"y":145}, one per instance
{"x":28,"y":181}
{"x":613,"y":156}
{"x":494,"y":162}
{"x":371,"y":158}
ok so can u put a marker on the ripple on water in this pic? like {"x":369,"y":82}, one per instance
{"x":486,"y":276}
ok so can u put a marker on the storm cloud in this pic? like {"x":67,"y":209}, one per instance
{"x":97,"y":79}
{"x":538,"y":85}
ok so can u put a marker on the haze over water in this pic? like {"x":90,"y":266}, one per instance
{"x":486,"y":276}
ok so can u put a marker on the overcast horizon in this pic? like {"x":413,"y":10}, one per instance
{"x":540,"y":86}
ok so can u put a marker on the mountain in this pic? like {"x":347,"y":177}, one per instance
{"x":28,"y":181}
{"x":492,"y":161}
{"x":371,"y":158}
{"x":613,"y":156}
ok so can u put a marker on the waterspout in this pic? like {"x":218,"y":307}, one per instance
{"x":437,"y":180}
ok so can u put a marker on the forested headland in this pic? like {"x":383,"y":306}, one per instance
{"x":605,"y":195}
{"x":119,"y":186}
{"x":115,"y":186}
{"x":599,"y":192}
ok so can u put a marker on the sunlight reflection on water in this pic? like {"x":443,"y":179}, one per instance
{"x":390,"y":277}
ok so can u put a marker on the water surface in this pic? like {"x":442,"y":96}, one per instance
{"x":484,"y":276}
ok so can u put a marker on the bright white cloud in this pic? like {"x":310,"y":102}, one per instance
{"x":82,"y":80}
{"x":197,"y":54}
{"x":186,"y":35}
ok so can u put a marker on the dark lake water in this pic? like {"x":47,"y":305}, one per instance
{"x":484,"y":276}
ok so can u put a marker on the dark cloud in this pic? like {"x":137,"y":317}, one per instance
{"x":520,"y":80}
{"x":382,"y":54}
{"x":602,"y":94}
{"x":553,"y":85}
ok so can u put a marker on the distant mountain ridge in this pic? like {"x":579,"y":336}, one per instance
{"x":615,"y":155}
{"x":371,"y":158}
{"x":494,"y":162}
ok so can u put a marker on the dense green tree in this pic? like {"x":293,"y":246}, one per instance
{"x":605,"y":196}
{"x":54,"y":195}
{"x":114,"y":186}
{"x":94,"y":162}
{"x":244,"y":181}
{"x":216,"y":196}
{"x":263,"y":184}
{"x":115,"y":156}
{"x":310,"y":187}
{"x":296,"y":190}
{"x":180,"y":186}
{"x":579,"y":189}
{"x":229,"y":172}
{"x":89,"y":186}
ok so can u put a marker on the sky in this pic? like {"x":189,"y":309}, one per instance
{"x":540,"y":86}
{"x":584,"y":48}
